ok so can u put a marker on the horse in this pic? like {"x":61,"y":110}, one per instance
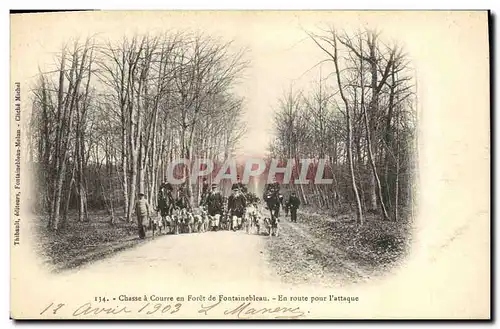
{"x":273,"y":203}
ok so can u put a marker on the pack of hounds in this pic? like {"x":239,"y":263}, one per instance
{"x":183,"y":221}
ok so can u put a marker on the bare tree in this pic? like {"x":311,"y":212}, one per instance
{"x":360,"y":117}
{"x":331,"y":41}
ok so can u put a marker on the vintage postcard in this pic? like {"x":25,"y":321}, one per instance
{"x":250,"y":165}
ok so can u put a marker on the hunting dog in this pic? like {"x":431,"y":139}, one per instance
{"x":198,"y":223}
{"x":205,"y":220}
{"x":189,"y":223}
{"x":157,"y":224}
{"x":186,"y":221}
{"x":272,"y":225}
{"x":225,"y":223}
{"x":252,"y":217}
{"x":214,"y":222}
{"x":174,"y":227}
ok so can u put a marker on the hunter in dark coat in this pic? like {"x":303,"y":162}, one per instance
{"x":165,"y":201}
{"x":183,"y":199}
{"x":205,"y":191}
{"x":236,"y":205}
{"x":294,"y":204}
{"x":214,"y":202}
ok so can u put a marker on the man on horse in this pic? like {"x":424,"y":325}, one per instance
{"x":272,"y":199}
{"x":165,"y":184}
{"x":183,"y":198}
{"x":205,"y":190}
{"x":165,"y":199}
{"x":165,"y":202}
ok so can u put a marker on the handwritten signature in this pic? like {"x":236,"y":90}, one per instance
{"x":247,"y":311}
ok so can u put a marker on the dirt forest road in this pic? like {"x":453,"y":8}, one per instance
{"x":294,"y":257}
{"x":216,"y":257}
{"x":298,"y":257}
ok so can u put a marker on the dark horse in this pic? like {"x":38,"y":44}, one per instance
{"x":273,"y":202}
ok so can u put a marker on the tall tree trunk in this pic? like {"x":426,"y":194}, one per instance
{"x":68,"y":198}
{"x":134,"y":144}
{"x":359,"y":212}
{"x":109,"y":172}
{"x":396,"y":188}
{"x":142,"y":168}
{"x":372,"y":189}
{"x":65,"y":131}
{"x":375,"y":175}
{"x":374,"y":181}
{"x":59,"y":127}
{"x":45,"y":179}
{"x":398,"y":150}
{"x":79,"y":163}
{"x":188,"y":168}
{"x":124,"y":168}
{"x":134,"y":150}
{"x":351,"y":168}
{"x":388,"y":135}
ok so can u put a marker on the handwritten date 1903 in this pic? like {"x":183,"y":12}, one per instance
{"x":160,"y":308}
{"x":88,"y":309}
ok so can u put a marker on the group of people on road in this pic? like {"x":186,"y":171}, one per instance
{"x":166,"y":204}
{"x":214,"y":203}
{"x":275,"y":200}
{"x":213,"y":200}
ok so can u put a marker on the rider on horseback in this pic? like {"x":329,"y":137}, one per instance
{"x":183,"y":198}
{"x":165,"y":202}
{"x":205,"y":191}
{"x":165,"y":184}
{"x":273,"y":201}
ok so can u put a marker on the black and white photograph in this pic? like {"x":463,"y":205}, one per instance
{"x":250,"y":165}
